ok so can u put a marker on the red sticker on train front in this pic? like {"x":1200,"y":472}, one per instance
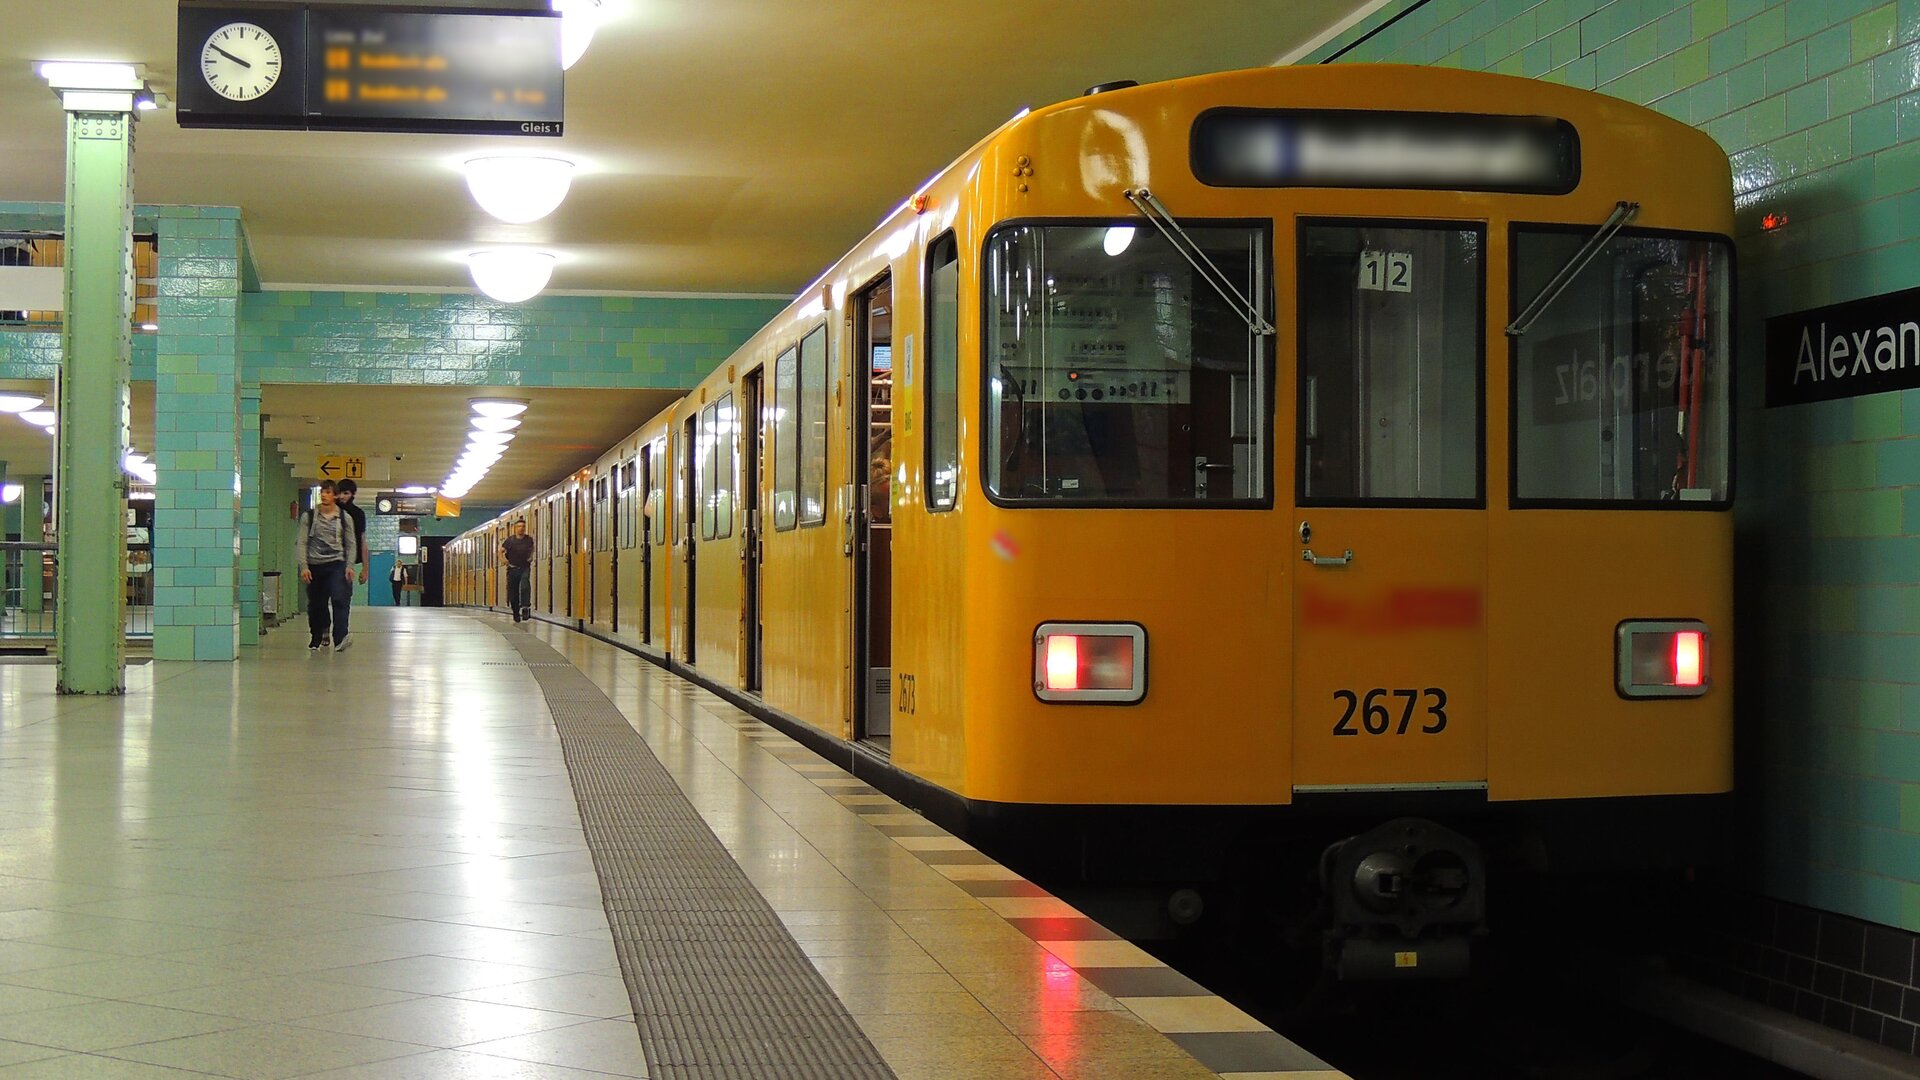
{"x":1005,"y":546}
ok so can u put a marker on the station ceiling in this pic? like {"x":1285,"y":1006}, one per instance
{"x":726,"y":146}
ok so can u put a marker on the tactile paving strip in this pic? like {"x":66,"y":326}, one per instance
{"x":720,"y":990}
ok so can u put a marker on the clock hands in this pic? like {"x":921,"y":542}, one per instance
{"x":230,"y":56}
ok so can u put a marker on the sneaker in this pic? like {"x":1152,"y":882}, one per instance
{"x":341,"y":645}
{"x":314,"y":645}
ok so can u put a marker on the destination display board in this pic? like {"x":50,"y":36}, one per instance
{"x":360,"y":67}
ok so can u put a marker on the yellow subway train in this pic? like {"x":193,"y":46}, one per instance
{"x":1319,"y":470}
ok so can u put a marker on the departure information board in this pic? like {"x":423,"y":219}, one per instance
{"x":370,"y":68}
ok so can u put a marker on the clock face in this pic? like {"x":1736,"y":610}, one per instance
{"x":240,"y":61}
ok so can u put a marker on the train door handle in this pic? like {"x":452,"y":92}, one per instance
{"x":1342,"y":559}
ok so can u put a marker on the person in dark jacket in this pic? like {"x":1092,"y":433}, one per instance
{"x":519,"y":551}
{"x":324,"y":546}
{"x":347,"y":494}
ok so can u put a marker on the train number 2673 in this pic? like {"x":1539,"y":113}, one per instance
{"x":1376,"y":709}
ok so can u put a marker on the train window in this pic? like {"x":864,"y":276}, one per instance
{"x":1391,"y":320}
{"x":1117,"y":375}
{"x":813,"y":427}
{"x":721,"y":440}
{"x":1622,"y":388}
{"x":704,"y":473}
{"x":630,"y":504}
{"x":943,"y":373}
{"x":786,"y":437}
{"x":657,"y":495}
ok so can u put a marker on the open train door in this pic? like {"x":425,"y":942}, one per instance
{"x":1390,"y":531}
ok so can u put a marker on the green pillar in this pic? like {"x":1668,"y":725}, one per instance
{"x":96,"y":351}
{"x":31,"y":511}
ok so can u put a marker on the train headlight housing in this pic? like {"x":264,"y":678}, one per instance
{"x":1090,"y":663}
{"x":1661,"y":658}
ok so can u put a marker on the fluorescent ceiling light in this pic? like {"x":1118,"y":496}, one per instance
{"x":497,"y":407}
{"x":494,"y":423}
{"x":511,"y":275}
{"x":89,"y":75}
{"x":414,"y":489}
{"x":579,"y":19}
{"x":19,"y":403}
{"x":489,"y":438}
{"x":40,"y":417}
{"x":518,"y":190}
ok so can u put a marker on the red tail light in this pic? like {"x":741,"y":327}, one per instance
{"x":1687,"y":666}
{"x":1090,"y":663}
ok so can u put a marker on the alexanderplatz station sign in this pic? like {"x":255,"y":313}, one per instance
{"x":358,"y":67}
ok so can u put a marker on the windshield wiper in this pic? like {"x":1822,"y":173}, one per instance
{"x":1149,"y":205}
{"x":1623,"y":212}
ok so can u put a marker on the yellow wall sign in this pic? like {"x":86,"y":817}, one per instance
{"x":445,"y":507}
{"x":342,"y":467}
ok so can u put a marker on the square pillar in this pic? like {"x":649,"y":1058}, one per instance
{"x":249,"y":565}
{"x":197,"y":410}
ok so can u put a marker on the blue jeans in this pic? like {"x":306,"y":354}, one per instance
{"x":328,"y":595}
{"x":519,"y":590}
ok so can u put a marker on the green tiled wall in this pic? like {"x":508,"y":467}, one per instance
{"x":461,"y":339}
{"x":1818,"y":104}
{"x":197,"y":519}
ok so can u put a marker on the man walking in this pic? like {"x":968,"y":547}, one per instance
{"x":347,"y":494}
{"x":324,"y":546}
{"x":519,"y":552}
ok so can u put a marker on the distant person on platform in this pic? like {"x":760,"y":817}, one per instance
{"x":324,"y":546}
{"x":398,"y":578}
{"x":519,"y":552}
{"x":345,"y":493}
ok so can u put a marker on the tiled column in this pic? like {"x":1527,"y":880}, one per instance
{"x":96,"y":340}
{"x":249,"y":568}
{"x":32,"y":524}
{"x":197,"y":427}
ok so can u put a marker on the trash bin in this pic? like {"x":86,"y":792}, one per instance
{"x":269,"y":599}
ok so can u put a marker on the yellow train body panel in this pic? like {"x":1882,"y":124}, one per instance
{"x":1510,"y":612}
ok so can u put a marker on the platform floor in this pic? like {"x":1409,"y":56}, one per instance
{"x":373,"y":865}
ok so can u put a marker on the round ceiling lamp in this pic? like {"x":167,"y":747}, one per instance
{"x":489,"y":438}
{"x":518,"y":190}
{"x":19,"y":403}
{"x":579,"y":19}
{"x":497,"y":407}
{"x":40,"y":417}
{"x":511,"y":275}
{"x":494,"y":423}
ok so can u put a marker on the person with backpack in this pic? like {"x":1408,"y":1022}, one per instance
{"x":324,"y":546}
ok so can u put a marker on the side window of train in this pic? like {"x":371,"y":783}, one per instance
{"x":1119,"y":375}
{"x":709,"y":476}
{"x":1390,"y":370}
{"x":813,"y":427}
{"x":630,"y":491}
{"x":722,"y":443}
{"x":657,"y":493}
{"x":786,"y":438}
{"x":943,"y":373}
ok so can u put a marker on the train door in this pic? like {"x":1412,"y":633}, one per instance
{"x":752,"y":468}
{"x":645,"y":516}
{"x":660,"y":584}
{"x":872,"y":448}
{"x":1390,"y":530}
{"x":686,"y":517}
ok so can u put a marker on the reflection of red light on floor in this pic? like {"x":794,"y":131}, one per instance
{"x":1057,"y":970}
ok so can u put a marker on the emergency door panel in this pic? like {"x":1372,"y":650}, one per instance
{"x":1390,"y":527}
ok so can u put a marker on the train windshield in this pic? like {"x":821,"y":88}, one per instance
{"x":1623,"y":392}
{"x":1116,"y":375}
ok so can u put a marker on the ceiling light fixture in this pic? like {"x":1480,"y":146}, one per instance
{"x":497,"y":406}
{"x":414,"y":489}
{"x":40,"y":417}
{"x":511,"y":275}
{"x":519,"y":190}
{"x":133,"y":460}
{"x":10,"y":493}
{"x":1119,"y":238}
{"x":579,"y":19}
{"x":489,"y":438}
{"x":19,"y":403}
{"x":494,"y":423}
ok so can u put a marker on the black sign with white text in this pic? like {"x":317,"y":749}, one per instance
{"x":1846,"y":350}
{"x":366,"y":67}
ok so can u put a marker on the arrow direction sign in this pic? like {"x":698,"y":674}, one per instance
{"x":342,"y":467}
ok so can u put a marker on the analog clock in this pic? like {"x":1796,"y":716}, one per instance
{"x":240,"y":61}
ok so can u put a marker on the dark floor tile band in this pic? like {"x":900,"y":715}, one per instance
{"x":720,"y":989}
